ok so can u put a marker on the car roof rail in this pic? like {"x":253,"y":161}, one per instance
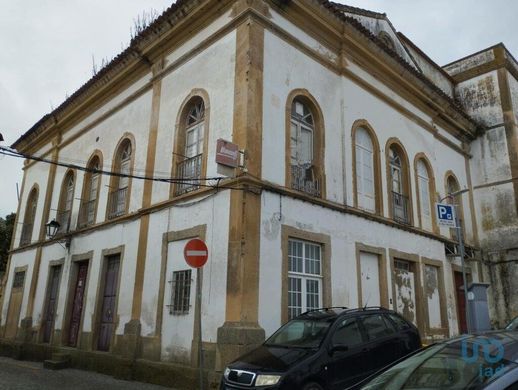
{"x":325,"y":309}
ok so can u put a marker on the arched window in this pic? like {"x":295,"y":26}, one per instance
{"x":365,"y":174}
{"x":118,"y":199}
{"x":424,"y":191}
{"x":190,"y":146}
{"x":65,"y":203}
{"x":29,"y":217}
{"x":452,"y":187}
{"x":92,"y":182}
{"x":305,"y":140}
{"x":399,"y":184}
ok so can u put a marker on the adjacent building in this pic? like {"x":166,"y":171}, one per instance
{"x":348,"y":134}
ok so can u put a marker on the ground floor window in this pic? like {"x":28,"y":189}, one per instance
{"x":304,"y":276}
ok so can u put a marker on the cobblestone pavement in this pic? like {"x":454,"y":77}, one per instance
{"x":24,"y":375}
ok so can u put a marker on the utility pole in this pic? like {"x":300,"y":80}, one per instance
{"x":460,"y":238}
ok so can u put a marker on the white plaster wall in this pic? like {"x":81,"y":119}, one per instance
{"x":36,"y":174}
{"x":212,"y":70}
{"x":18,"y":260}
{"x":112,"y":103}
{"x":345,"y":230}
{"x":470,"y":62}
{"x":343,"y":102}
{"x":214,"y":212}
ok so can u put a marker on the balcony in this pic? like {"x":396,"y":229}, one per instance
{"x":117,"y":202}
{"x":63,"y":218}
{"x":87,"y":213}
{"x":400,"y":208}
{"x":302,"y":179}
{"x":185,"y":170}
{"x":26,"y":234}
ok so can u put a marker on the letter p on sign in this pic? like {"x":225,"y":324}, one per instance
{"x":445,"y":214}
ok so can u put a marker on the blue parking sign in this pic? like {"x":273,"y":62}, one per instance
{"x":445,"y":214}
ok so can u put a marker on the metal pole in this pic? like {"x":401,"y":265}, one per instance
{"x":461,"y":253}
{"x":200,"y":349}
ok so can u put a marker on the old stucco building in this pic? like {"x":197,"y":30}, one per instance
{"x":349,"y":134}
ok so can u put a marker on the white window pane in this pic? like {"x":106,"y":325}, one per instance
{"x":305,"y":148}
{"x":293,"y":143}
{"x":363,"y":139}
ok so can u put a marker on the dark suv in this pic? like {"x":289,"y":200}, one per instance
{"x":329,"y":348}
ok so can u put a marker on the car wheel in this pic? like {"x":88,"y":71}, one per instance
{"x":312,"y":386}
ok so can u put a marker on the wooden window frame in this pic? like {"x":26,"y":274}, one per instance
{"x":318,"y":160}
{"x":63,"y":194}
{"x":85,"y":193}
{"x":362,"y":123}
{"x":289,"y":232}
{"x":449,"y":175}
{"x":29,"y":216}
{"x":115,"y":180}
{"x":431,"y":190}
{"x":180,"y":136}
{"x":405,"y":177}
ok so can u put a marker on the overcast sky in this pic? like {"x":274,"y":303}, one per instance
{"x":46,"y":49}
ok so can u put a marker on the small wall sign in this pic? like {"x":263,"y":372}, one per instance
{"x":227,"y":153}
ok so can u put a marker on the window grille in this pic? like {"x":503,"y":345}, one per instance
{"x":180,"y":292}
{"x":19,"y":278}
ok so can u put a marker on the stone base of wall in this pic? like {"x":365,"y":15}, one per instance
{"x":180,"y":377}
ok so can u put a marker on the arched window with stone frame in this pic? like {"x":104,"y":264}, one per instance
{"x":66,"y":200}
{"x":118,"y":199}
{"x":305,"y":144}
{"x":190,"y":149}
{"x":398,"y":183}
{"x":366,"y":162}
{"x":425,"y":193}
{"x":29,"y":217}
{"x":453,"y":187}
{"x":91,"y":187}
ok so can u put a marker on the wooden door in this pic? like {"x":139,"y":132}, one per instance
{"x":109,"y":298}
{"x":77,"y":305}
{"x":50,"y":306}
{"x":15,"y":304}
{"x":461,"y":302}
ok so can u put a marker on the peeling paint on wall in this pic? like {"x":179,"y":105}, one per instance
{"x":405,"y":295}
{"x":432,"y":294}
{"x":470,"y":62}
{"x":480,"y":97}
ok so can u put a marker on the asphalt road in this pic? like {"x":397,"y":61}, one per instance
{"x":24,"y":375}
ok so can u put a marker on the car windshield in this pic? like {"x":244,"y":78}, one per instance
{"x":300,"y":333}
{"x":442,"y":366}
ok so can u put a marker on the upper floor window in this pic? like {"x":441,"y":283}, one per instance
{"x":65,"y":203}
{"x":399,"y":184}
{"x":190,"y":146}
{"x":305,"y":165}
{"x":90,"y":193}
{"x":452,"y":187}
{"x":365,"y":170}
{"x":29,"y":217}
{"x":424,"y":192}
{"x":118,"y":198}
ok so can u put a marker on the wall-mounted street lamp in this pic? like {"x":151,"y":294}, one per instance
{"x":52,"y":229}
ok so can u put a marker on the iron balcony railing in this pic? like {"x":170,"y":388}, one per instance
{"x":117,"y":202}
{"x":87,"y":213}
{"x":400,"y":208}
{"x":26,"y":234}
{"x":63,"y":218}
{"x":189,"y":172}
{"x":302,"y":179}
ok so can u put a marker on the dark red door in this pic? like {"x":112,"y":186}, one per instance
{"x":52,"y":297}
{"x":108,"y":303}
{"x":77,"y":306}
{"x":461,"y":302}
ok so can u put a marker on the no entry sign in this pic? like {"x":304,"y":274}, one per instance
{"x":196,"y":253}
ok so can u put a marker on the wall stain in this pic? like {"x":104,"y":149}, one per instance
{"x":405,"y":295}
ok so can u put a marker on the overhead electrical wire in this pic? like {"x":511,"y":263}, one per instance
{"x":217,"y":179}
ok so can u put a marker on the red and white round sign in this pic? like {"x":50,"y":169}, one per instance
{"x":196,"y":253}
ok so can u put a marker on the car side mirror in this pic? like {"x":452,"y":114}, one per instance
{"x":338,"y":348}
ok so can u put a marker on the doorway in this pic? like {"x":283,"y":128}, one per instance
{"x":51,"y":302}
{"x":15,"y":305}
{"x":108,"y":302}
{"x":461,"y":302}
{"x":77,"y":303}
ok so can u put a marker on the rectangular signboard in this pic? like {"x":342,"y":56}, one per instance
{"x":445,"y":214}
{"x":227,"y":153}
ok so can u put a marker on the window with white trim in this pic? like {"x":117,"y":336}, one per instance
{"x":304,"y":277}
{"x":365,"y":170}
